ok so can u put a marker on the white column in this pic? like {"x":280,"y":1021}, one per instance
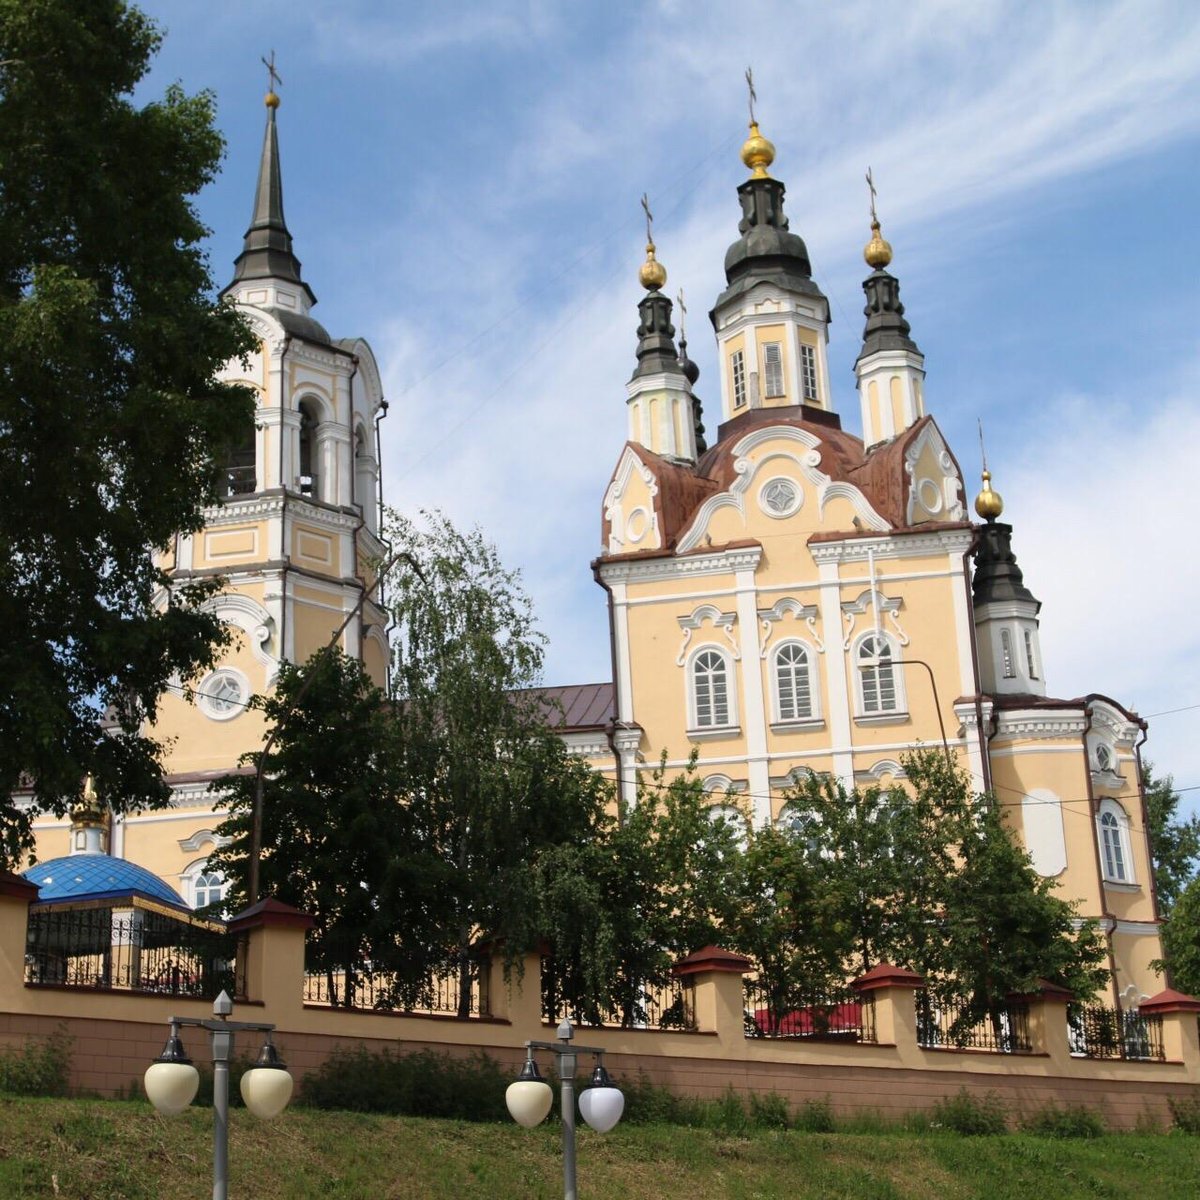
{"x":754,"y":715}
{"x":840,"y":727}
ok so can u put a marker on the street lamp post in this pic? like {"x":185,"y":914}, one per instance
{"x":530,"y":1098}
{"x":172,"y":1080}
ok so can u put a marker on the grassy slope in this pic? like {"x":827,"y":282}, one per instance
{"x":94,"y":1150}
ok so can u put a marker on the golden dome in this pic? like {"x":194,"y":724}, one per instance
{"x":89,"y":810}
{"x":757,"y":153}
{"x":271,"y":100}
{"x":877,"y":252}
{"x":988,"y":504}
{"x":652,"y":273}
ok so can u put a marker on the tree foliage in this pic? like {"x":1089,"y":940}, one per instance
{"x":338,"y":833}
{"x":111,"y":419}
{"x":492,"y":786}
{"x":1174,"y":840}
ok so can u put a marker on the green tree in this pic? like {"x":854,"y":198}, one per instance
{"x":492,"y":787}
{"x":111,"y":420}
{"x":338,"y":832}
{"x":1181,"y":940}
{"x":647,"y":888}
{"x":1174,"y":840}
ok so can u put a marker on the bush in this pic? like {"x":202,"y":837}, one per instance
{"x":1073,"y":1121}
{"x":815,"y":1116}
{"x":424,"y":1084}
{"x":769,"y":1111}
{"x":970,"y":1114}
{"x":1185,"y":1112}
{"x":38,"y":1068}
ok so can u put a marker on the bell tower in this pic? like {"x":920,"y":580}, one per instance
{"x":296,"y":538}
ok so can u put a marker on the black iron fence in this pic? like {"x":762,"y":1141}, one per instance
{"x":839,"y":1016}
{"x":386,"y":991}
{"x":1094,"y":1031}
{"x":648,"y":1006}
{"x":130,"y":948}
{"x":960,"y":1025}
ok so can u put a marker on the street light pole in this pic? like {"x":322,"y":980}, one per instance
{"x":529,"y":1099}
{"x":171,"y":1080}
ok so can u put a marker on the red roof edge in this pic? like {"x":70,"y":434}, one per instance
{"x":1168,"y":1001}
{"x":270,"y":913}
{"x":19,"y":886}
{"x":712,"y":958}
{"x":886,"y":974}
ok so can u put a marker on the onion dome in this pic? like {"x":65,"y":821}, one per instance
{"x":988,"y":504}
{"x":97,"y":876}
{"x":877,"y":252}
{"x":652,"y":274}
{"x":766,"y":251}
{"x":89,"y":812}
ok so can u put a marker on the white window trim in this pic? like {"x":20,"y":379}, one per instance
{"x":1110,"y":808}
{"x":738,"y":360}
{"x":813,"y":717}
{"x":695,"y":730}
{"x":206,"y":686}
{"x":191,"y":874}
{"x":808,"y":370}
{"x":773,"y":371}
{"x":884,"y":716}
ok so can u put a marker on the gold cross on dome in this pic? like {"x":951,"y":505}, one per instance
{"x":273,"y":76}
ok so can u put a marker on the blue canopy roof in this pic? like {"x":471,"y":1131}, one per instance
{"x":96,"y":876}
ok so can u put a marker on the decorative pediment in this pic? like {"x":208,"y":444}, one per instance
{"x":630,"y":515}
{"x":769,"y":618}
{"x":935,"y":489}
{"x":777,"y":452}
{"x":252,"y":618}
{"x":723,"y":621}
{"x":872,"y":602}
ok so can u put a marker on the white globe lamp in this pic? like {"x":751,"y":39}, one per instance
{"x":267,"y":1086}
{"x":601,"y":1105}
{"x":530,"y":1097}
{"x":171,"y":1081}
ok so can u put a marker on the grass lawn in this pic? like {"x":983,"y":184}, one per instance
{"x":110,"y":1150}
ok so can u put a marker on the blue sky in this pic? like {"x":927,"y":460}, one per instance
{"x":462,"y":183}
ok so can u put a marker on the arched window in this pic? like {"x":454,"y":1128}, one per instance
{"x":202,"y":886}
{"x":309,"y":420}
{"x":1115,"y":856}
{"x":1006,"y":654}
{"x":364,"y":478}
{"x":711,"y":703}
{"x":793,"y":674}
{"x":879,"y":687}
{"x":729,"y":816}
{"x":240,"y":478}
{"x":1029,"y":659}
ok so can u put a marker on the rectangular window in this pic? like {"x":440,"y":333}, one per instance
{"x":739,"y":379}
{"x":1029,"y":654}
{"x":808,"y":372}
{"x":773,"y":367}
{"x":1007,"y":655}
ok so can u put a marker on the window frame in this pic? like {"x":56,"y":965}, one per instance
{"x":737,"y":366}
{"x":809,"y":392}
{"x":1008,"y":665}
{"x":730,"y":724}
{"x":813,"y":715}
{"x":1116,"y":851}
{"x":773,"y":382}
{"x":899,"y":709}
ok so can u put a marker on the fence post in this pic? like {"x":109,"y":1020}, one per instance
{"x":1048,"y":1019}
{"x":16,"y":895}
{"x":893,"y":991}
{"x":271,"y":937}
{"x":716,"y":979}
{"x":1180,"y":1028}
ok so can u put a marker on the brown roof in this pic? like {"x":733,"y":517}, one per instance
{"x":576,"y":706}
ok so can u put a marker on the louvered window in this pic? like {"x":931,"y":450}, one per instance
{"x":710,"y":689}
{"x":739,"y":379}
{"x":793,"y":684}
{"x":773,"y":368}
{"x":808,"y":372}
{"x":877,"y":676}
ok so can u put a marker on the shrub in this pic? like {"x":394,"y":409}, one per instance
{"x":1185,"y":1112}
{"x":970,"y":1114}
{"x":728,"y":1114}
{"x":815,"y":1116}
{"x":769,"y":1110}
{"x":38,"y":1068}
{"x":423,"y":1084}
{"x":648,"y":1103}
{"x":1072,"y":1121}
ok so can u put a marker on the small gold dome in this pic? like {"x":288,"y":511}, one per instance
{"x":988,"y":504}
{"x":271,"y":100}
{"x":89,"y":810}
{"x":757,"y":153}
{"x":652,"y":273}
{"x":877,"y":252}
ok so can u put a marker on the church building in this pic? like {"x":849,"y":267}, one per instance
{"x":792,"y":598}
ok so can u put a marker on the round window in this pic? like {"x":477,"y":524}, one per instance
{"x":223,"y":694}
{"x":779,"y":497}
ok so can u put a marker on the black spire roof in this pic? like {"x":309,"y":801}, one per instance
{"x":267,"y":250}
{"x":886,"y":327}
{"x":656,"y":351}
{"x":997,"y":576}
{"x":691,"y":373}
{"x":766,"y":251}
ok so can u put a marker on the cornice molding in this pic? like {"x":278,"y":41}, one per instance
{"x":907,"y":545}
{"x":1052,"y":724}
{"x":656,"y":569}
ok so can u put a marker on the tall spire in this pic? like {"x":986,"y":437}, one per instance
{"x":267,"y":249}
{"x":886,"y":327}
{"x":656,"y":351}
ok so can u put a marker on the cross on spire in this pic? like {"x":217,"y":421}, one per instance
{"x":649,"y":219}
{"x":273,"y":76}
{"x":871,"y":188}
{"x":753,"y":94}
{"x":982,"y":448}
{"x":682,"y":317}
